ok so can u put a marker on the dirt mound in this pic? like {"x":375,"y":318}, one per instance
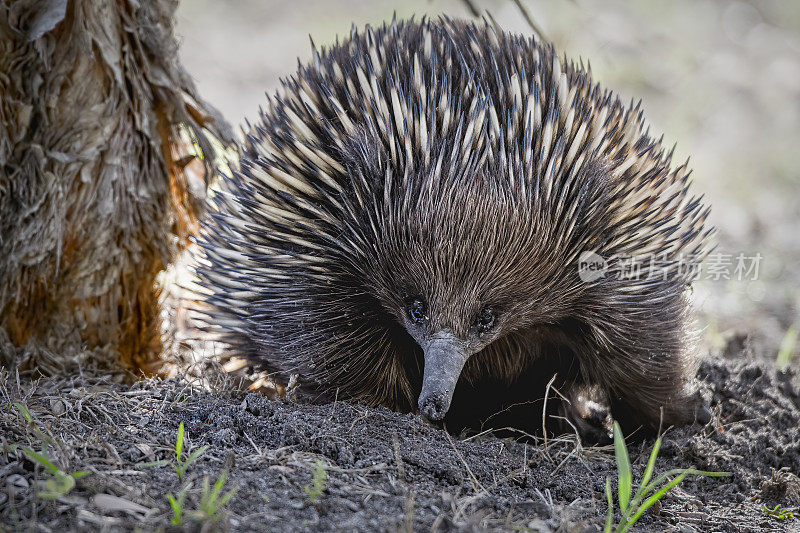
{"x":375,"y":470}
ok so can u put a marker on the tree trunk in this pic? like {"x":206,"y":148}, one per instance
{"x":98,"y":187}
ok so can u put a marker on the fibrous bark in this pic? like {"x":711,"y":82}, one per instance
{"x":99,"y":189}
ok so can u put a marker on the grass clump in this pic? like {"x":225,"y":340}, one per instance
{"x":23,"y":410}
{"x":319,"y":482}
{"x":181,"y":464}
{"x":212,"y":501}
{"x":632,"y":506}
{"x":211,"y":498}
{"x":778,"y":512}
{"x":59,"y":482}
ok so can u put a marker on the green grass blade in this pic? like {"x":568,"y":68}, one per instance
{"x":204,"y":496}
{"x":41,"y":459}
{"x":179,"y":443}
{"x":226,"y":498}
{"x":778,"y":512}
{"x":786,"y":350}
{"x":194,"y":456}
{"x":610,"y":500}
{"x":651,"y":500}
{"x":661,"y":478}
{"x":24,"y":411}
{"x":648,"y":473}
{"x":623,"y":468}
{"x":176,"y":510}
{"x":57,"y":486}
{"x":215,"y":492}
{"x":677,"y":471}
{"x":682,"y":473}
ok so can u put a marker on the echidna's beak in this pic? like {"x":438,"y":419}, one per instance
{"x":444,"y":358}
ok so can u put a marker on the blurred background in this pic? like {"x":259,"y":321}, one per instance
{"x":719,"y":78}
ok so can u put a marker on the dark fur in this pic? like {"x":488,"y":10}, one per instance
{"x":333,"y":306}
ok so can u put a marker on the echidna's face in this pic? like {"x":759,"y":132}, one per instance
{"x":459,"y":281}
{"x":446,"y":346}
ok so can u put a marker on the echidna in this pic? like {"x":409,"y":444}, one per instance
{"x":407,"y":220}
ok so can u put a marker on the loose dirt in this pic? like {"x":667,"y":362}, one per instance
{"x":385,"y":471}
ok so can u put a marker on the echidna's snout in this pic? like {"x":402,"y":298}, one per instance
{"x":445,"y":356}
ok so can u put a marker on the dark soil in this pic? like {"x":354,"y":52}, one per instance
{"x":385,"y":471}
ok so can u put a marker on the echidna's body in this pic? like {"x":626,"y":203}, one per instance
{"x":417,"y":199}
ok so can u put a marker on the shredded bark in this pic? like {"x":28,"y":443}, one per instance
{"x":106,"y":151}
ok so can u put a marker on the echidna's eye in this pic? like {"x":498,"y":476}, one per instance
{"x":485,"y":320}
{"x":416,"y":311}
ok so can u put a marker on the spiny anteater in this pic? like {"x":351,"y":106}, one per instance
{"x":408,"y":218}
